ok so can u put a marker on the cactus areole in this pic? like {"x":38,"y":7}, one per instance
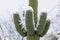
{"x":31,"y":33}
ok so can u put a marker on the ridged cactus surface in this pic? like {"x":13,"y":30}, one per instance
{"x":42,"y":23}
{"x":29,"y":22}
{"x":18,"y":27}
{"x":46,"y":28}
{"x":34,"y":5}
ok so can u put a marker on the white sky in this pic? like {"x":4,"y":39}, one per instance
{"x":9,"y":6}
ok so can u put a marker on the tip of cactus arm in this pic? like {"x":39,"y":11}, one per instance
{"x":28,"y":8}
{"x":44,"y":12}
{"x":48,"y":20}
{"x":15,"y":14}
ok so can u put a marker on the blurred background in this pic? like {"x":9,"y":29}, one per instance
{"x":9,"y":7}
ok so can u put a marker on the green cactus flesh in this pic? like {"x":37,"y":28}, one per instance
{"x":42,"y":23}
{"x":34,"y":5}
{"x":46,"y":28}
{"x":33,"y":37}
{"x":29,"y":23}
{"x":18,"y":27}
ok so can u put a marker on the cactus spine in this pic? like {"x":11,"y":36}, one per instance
{"x":42,"y":28}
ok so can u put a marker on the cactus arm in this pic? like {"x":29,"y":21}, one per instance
{"x":42,"y":23}
{"x":34,"y":5}
{"x":29,"y":23}
{"x":46,"y":28}
{"x":18,"y":27}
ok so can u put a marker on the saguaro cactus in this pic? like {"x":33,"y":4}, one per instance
{"x":31,"y":33}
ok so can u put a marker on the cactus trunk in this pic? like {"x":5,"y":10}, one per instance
{"x":34,"y":5}
{"x":33,"y":37}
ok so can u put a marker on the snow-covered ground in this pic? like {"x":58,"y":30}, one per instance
{"x":9,"y":7}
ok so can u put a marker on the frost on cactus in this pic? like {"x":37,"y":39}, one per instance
{"x":25,"y":9}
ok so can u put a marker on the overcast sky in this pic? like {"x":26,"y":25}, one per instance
{"x":8,"y":7}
